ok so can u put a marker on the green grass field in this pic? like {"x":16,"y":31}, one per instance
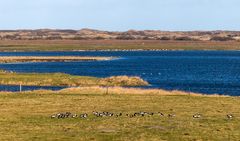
{"x":26,"y":116}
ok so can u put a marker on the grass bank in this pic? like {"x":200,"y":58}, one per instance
{"x":17,"y":59}
{"x":61,"y":79}
{"x":26,"y":116}
{"x":75,"y":45}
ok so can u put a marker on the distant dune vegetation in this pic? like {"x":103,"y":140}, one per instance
{"x":89,"y":39}
{"x":90,"y":34}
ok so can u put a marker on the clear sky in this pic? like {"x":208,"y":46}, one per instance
{"x":120,"y":15}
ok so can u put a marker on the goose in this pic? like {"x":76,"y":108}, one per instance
{"x":74,"y":115}
{"x":230,"y":116}
{"x":60,"y":115}
{"x":171,"y":115}
{"x":53,"y":116}
{"x":160,"y":114}
{"x":110,"y":114}
{"x":105,"y":113}
{"x":136,"y":114}
{"x":95,"y":113}
{"x":67,"y":114}
{"x":118,"y":115}
{"x":84,"y":115}
{"x":101,"y":115}
{"x":131,"y":116}
{"x":197,"y":116}
{"x":151,"y":114}
{"x":142,"y":113}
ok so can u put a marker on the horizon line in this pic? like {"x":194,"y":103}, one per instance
{"x":34,"y":29}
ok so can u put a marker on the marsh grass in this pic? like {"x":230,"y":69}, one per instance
{"x":61,"y":79}
{"x":26,"y":116}
{"x":73,"y":45}
{"x":124,"y":91}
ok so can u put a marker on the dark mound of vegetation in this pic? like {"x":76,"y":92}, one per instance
{"x":218,"y":38}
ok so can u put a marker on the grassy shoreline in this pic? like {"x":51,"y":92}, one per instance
{"x":117,"y":90}
{"x":97,"y":45}
{"x":61,"y":79}
{"x":17,"y":59}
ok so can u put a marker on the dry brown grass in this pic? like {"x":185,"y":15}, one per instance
{"x":61,"y":79}
{"x":118,"y":91}
{"x":13,"y":59}
{"x":128,"y":81}
{"x":129,"y":91}
{"x":61,"y":45}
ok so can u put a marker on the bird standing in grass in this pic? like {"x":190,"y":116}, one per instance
{"x":60,"y":115}
{"x":230,"y":116}
{"x":53,"y":116}
{"x":197,"y":116}
{"x":67,"y":114}
{"x":171,"y":115}
{"x":160,"y":114}
{"x":84,"y":115}
{"x":74,"y":115}
{"x":118,"y":115}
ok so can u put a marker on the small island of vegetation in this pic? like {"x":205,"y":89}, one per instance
{"x":61,"y":79}
{"x":17,"y":59}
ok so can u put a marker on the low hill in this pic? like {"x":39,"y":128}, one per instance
{"x":90,"y":34}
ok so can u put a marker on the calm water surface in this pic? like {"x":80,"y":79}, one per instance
{"x":207,"y":72}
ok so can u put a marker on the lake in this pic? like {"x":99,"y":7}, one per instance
{"x":209,"y":72}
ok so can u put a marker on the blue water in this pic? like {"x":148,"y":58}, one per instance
{"x":209,"y":72}
{"x":15,"y":88}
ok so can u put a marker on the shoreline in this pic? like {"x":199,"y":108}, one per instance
{"x":62,"y":79}
{"x":134,"y":50}
{"x":122,"y":50}
{"x":21,"y":59}
{"x":113,"y":45}
{"x":117,"y":90}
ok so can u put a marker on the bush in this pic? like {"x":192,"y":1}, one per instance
{"x":184,"y":38}
{"x":218,"y":38}
{"x":165,"y":38}
{"x":126,"y":37}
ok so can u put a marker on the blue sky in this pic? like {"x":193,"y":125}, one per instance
{"x":121,"y":15}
